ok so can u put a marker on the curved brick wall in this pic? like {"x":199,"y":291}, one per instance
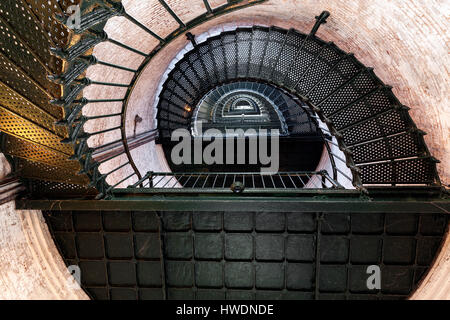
{"x":30,"y":264}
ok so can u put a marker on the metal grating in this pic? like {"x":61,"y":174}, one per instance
{"x":27,"y":110}
{"x":370,"y":106}
{"x":409,"y":171}
{"x":401,"y":145}
{"x":24,"y":56}
{"x":22,"y":83}
{"x":19,"y":127}
{"x":38,"y":153}
{"x":61,"y":190}
{"x":391,"y":122}
{"x":40,"y":171}
{"x":44,"y":12}
{"x":246,"y":255}
{"x":21,"y":19}
{"x":357,"y":107}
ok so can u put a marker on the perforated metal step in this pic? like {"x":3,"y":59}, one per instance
{"x":28,"y":30}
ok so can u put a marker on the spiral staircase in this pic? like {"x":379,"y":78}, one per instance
{"x":319,"y":98}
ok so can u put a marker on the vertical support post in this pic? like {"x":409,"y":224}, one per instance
{"x":191,"y":38}
{"x":150,"y":179}
{"x":321,"y":19}
{"x":172,"y":13}
{"x":207,"y":6}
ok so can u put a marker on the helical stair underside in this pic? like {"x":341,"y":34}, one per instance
{"x":42,"y":84}
{"x":263,"y":104}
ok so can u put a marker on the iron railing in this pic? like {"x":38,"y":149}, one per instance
{"x":236,"y":182}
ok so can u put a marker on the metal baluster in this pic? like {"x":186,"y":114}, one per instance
{"x":140,"y":25}
{"x":172,"y":13}
{"x":292,"y":180}
{"x":167,"y":181}
{"x":117,"y":43}
{"x":214,"y":183}
{"x":301,"y":180}
{"x":116,"y":66}
{"x":198,"y":177}
{"x":204,"y":183}
{"x":161,"y":179}
{"x":273,"y":182}
{"x":190,"y":176}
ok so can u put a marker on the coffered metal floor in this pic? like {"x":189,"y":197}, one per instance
{"x":246,"y":255}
